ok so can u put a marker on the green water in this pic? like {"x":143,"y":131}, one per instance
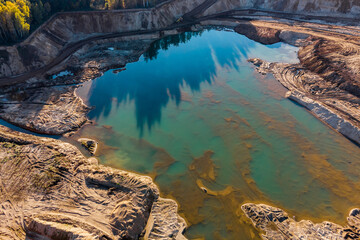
{"x":193,"y":113}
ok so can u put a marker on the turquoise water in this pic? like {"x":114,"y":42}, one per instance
{"x":192,"y":113}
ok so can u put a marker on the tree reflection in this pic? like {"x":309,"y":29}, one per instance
{"x":166,"y":42}
{"x":152,"y":83}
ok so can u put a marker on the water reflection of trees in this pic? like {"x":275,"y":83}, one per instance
{"x":165,"y":43}
{"x":151,"y":84}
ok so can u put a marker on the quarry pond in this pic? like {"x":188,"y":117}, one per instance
{"x":193,"y":114}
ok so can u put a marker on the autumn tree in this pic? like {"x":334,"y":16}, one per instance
{"x":14,"y":20}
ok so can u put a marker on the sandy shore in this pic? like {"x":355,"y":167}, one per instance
{"x":49,"y":189}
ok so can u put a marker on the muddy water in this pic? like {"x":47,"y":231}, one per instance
{"x":193,"y":115}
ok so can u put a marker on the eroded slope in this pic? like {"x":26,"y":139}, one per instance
{"x":277,"y":224}
{"x":49,"y":189}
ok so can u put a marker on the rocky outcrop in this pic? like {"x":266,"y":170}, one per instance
{"x":164,"y":223}
{"x":49,"y":190}
{"x":276,"y":224}
{"x":350,"y":129}
{"x":262,"y":35}
{"x":89,"y":144}
{"x":336,"y":62}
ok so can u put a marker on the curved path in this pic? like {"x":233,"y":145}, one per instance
{"x":198,"y":10}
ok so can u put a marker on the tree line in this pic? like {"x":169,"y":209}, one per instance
{"x":19,"y":17}
{"x":14,"y":20}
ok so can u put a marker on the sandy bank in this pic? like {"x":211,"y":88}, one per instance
{"x":49,"y":189}
{"x":277,"y":224}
